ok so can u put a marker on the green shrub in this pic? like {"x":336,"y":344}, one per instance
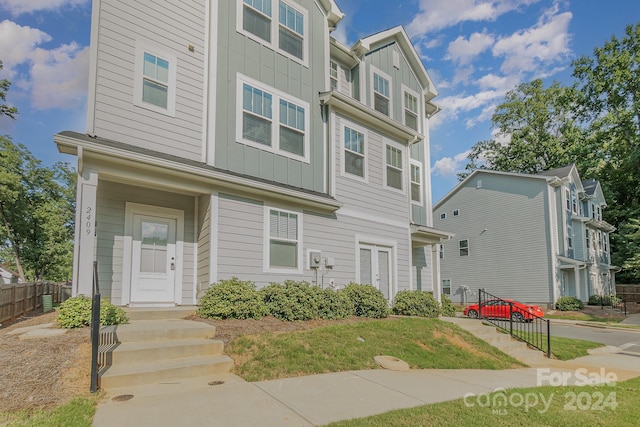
{"x":604,"y":300}
{"x":232,"y":299}
{"x":447,"y":309}
{"x":76,"y":313}
{"x":292,"y":300}
{"x":334,"y":305}
{"x":569,"y":304}
{"x":416,"y":303}
{"x":367,"y":301}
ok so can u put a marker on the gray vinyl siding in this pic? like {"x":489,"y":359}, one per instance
{"x":241,"y":244}
{"x":204,"y":241}
{"x":506,"y":224}
{"x":371,"y":196}
{"x":110,"y":220}
{"x":239,"y":54}
{"x":170,"y":28}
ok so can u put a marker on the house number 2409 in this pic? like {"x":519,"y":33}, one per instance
{"x":88,"y":216}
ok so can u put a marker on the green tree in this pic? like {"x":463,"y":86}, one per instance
{"x":36,"y":214}
{"x":5,"y":110}
{"x":536,"y":129}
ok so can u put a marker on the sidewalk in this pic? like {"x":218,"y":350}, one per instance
{"x":321,"y":399}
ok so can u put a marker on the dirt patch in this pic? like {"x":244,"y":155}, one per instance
{"x":458,"y":341}
{"x":45,"y":372}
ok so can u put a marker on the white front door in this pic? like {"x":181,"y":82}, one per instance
{"x":375,"y":268}
{"x":153,"y":259}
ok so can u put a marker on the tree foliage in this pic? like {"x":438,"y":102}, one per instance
{"x":595,"y":123}
{"x":37,"y":206}
{"x":5,"y":110}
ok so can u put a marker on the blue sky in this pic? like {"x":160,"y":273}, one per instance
{"x":474,"y":50}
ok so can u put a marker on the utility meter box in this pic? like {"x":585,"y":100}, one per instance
{"x":314,"y":259}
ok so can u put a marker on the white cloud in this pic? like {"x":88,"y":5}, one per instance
{"x":435,"y":15}
{"x":449,"y":166}
{"x":463,"y":50}
{"x":545,"y":43}
{"x":19,"y":7}
{"x":55,"y":78}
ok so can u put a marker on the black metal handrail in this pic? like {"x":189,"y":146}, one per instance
{"x":95,"y":329}
{"x":520,"y":323}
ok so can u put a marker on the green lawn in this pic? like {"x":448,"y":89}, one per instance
{"x":584,"y":317}
{"x":565,"y":348}
{"x":422,"y":343}
{"x":604,"y":405}
{"x":76,"y":413}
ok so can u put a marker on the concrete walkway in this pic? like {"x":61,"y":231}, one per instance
{"x":227,"y":400}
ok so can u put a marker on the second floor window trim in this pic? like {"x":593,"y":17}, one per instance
{"x":381,"y":92}
{"x":464,"y":247}
{"x":394,"y":168}
{"x":155,"y":80}
{"x":354,"y":152}
{"x":411,"y":109}
{"x":271,"y":120}
{"x":416,"y":182}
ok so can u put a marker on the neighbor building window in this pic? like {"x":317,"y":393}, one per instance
{"x":354,"y":152}
{"x":441,"y":251}
{"x":284,"y":239}
{"x":443,"y":215}
{"x":381,"y":94}
{"x":394,"y":167}
{"x":587,"y":238}
{"x":411,"y":110}
{"x":446,"y":286}
{"x":567,"y":196}
{"x":416,"y":182}
{"x":464,"y":247}
{"x":456,"y":212}
{"x":155,"y":83}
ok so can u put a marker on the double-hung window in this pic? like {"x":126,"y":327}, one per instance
{"x":333,"y":75}
{"x":272,"y":120}
{"x":394,"y":175}
{"x":354,"y":152}
{"x":155,"y":80}
{"x":463,"y":245}
{"x":381,"y":93}
{"x":256,"y":18}
{"x":411,"y":110}
{"x":587,"y":238}
{"x":284,"y":245}
{"x":416,"y":182}
{"x":277,"y":24}
{"x":291,"y":35}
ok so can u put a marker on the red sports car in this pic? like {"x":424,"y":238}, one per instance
{"x":499,"y":309}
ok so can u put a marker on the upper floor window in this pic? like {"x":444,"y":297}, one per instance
{"x":598,"y":215}
{"x":569,"y":238}
{"x":272,"y":121}
{"x":567,"y":195}
{"x":456,"y":212}
{"x":605,"y":245}
{"x":416,"y":182}
{"x":446,"y":286}
{"x":354,"y":152}
{"x":464,"y":247}
{"x":255,"y":20}
{"x":283,"y":246}
{"x":155,"y":80}
{"x":443,"y":215}
{"x":593,"y":211}
{"x":411,"y":110}
{"x":381,"y":93}
{"x":441,"y":251}
{"x":574,"y":204}
{"x":333,"y":75}
{"x":587,"y":237}
{"x":394,"y":170}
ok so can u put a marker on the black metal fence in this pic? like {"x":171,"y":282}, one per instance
{"x":95,"y":329}
{"x":519,"y":321}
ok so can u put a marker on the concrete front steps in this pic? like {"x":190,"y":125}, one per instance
{"x":514,"y":348}
{"x":159,"y":346}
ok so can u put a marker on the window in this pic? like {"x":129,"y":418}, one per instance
{"x":287,"y":35}
{"x":441,"y":251}
{"x":284,"y":240}
{"x":567,"y":196}
{"x":456,"y":212}
{"x":587,"y":238}
{"x":155,"y":80}
{"x":446,"y":286}
{"x":416,"y":182}
{"x":354,"y":155}
{"x":411,"y":110}
{"x":464,"y":247}
{"x":256,"y":18}
{"x":574,"y":204}
{"x":272,"y":121}
{"x":381,"y":94}
{"x":333,"y":74}
{"x":593,"y":211}
{"x":598,"y":217}
{"x":604,"y":242}
{"x":394,"y":167}
{"x":443,"y":215}
{"x":569,"y":237}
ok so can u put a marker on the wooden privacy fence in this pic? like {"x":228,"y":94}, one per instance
{"x":20,"y":298}
{"x":629,"y":293}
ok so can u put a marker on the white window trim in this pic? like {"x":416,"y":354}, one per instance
{"x":373,"y":71}
{"x":275,"y":120}
{"x":443,"y":215}
{"x":460,"y":247}
{"x":413,"y":162}
{"x":346,"y":124}
{"x":404,"y":107}
{"x":275,"y":27}
{"x":331,"y":61}
{"x":267,"y":243}
{"x":393,"y":144}
{"x":143,"y":47}
{"x":442,"y":286}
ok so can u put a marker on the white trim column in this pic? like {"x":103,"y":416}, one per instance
{"x":85,"y":233}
